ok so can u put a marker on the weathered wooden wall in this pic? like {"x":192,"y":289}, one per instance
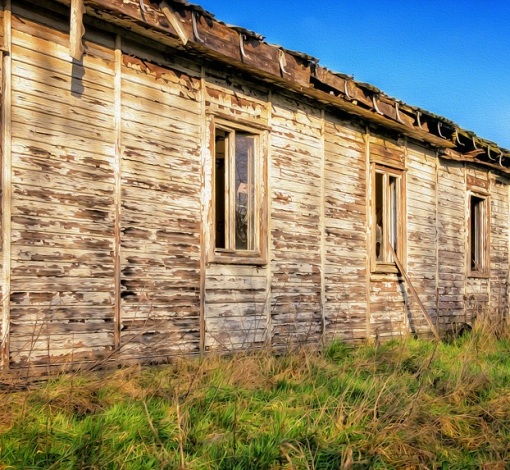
{"x":111,"y":195}
{"x":296,"y":193}
{"x":345,"y":246}
{"x":451,"y":232}
{"x":63,"y":212}
{"x":387,"y":293}
{"x":160,"y":204}
{"x":236,"y":296}
{"x":499,"y":249}
{"x":99,"y":161}
{"x":477,"y":288}
{"x":422,"y":234}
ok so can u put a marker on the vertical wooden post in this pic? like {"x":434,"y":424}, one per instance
{"x":488,"y":251}
{"x":76,"y":30}
{"x":403,"y":210}
{"x":117,"y":196}
{"x":6,"y":179}
{"x":368,"y":202}
{"x":466,"y":240}
{"x":269,"y":251}
{"x":402,"y":235}
{"x":204,"y":203}
{"x":323,"y":223}
{"x":506,"y":297}
{"x":437,"y":240}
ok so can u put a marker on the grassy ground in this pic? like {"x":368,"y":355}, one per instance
{"x":404,"y":404}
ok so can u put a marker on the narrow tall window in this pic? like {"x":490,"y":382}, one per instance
{"x":478,"y":235}
{"x":236,"y":192}
{"x":387,"y":216}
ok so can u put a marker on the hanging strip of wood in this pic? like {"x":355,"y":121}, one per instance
{"x":77,"y":30}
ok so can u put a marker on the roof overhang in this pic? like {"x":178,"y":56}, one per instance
{"x":188,"y":27}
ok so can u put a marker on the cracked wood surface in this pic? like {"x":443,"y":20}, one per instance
{"x":111,"y":190}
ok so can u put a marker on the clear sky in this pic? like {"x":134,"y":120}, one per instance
{"x":450,"y":57}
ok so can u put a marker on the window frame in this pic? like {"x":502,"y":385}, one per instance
{"x":483,"y":238}
{"x":229,"y":254}
{"x":387,"y":265}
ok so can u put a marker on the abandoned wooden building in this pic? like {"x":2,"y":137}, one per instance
{"x":173,"y":185}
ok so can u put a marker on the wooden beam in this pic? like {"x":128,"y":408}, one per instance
{"x":437,"y":162}
{"x":413,"y":290}
{"x":170,"y":15}
{"x":118,"y":191}
{"x":369,"y":234}
{"x":322,"y":218}
{"x":268,"y":219}
{"x":204,"y":221}
{"x":76,"y":30}
{"x":6,"y":180}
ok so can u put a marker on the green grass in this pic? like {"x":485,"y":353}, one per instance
{"x":403,"y":404}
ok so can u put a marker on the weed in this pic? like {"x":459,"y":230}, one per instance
{"x":400,"y":404}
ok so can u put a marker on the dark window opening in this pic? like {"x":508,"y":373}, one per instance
{"x":219,"y":187}
{"x":387,"y":215}
{"x":478,"y":232}
{"x":235,"y":190}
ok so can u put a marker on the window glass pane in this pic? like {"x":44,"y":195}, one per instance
{"x":220,"y":171}
{"x":244,"y":191}
{"x":379,"y":216}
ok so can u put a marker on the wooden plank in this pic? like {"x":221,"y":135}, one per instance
{"x":6,"y":178}
{"x":149,"y":68}
{"x":51,"y":54}
{"x":413,"y":290}
{"x":3,"y":47}
{"x":171,"y":16}
{"x":21,"y":268}
{"x":117,"y":194}
{"x":269,"y":224}
{"x":72,"y":86}
{"x":77,"y":29}
{"x":25,"y":100}
{"x":368,"y":229}
{"x":205,"y":195}
{"x":35,"y":315}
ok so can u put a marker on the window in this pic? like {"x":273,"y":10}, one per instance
{"x":478,"y":235}
{"x":388,"y":210}
{"x":238,"y":201}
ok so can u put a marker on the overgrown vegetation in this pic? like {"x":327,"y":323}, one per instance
{"x":403,"y":404}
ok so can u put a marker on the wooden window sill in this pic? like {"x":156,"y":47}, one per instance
{"x":252,"y":258}
{"x":479,"y":275}
{"x":386,"y":268}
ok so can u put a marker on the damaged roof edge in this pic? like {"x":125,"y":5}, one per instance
{"x":246,"y":50}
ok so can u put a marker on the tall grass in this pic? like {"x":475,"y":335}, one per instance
{"x":403,"y":404}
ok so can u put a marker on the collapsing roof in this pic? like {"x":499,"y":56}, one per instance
{"x":189,"y":27}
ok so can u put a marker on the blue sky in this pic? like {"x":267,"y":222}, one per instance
{"x":451,"y":57}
